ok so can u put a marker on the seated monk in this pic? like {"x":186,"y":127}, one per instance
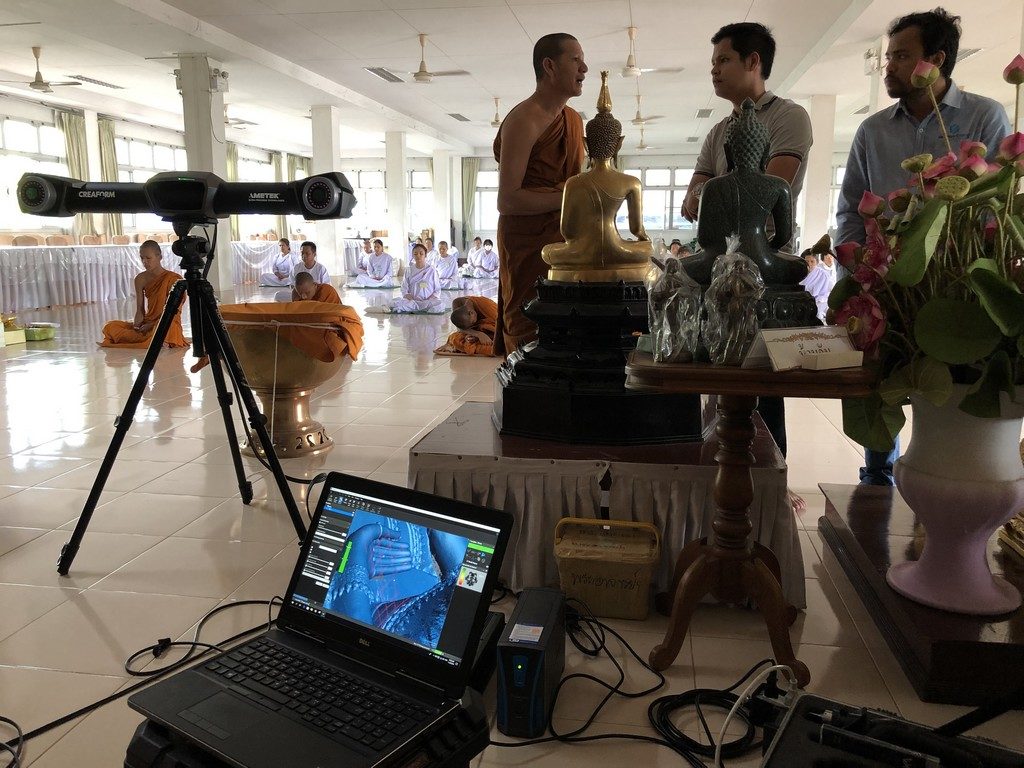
{"x":475,"y":317}
{"x":308,"y":289}
{"x":151,"y":289}
{"x":593,"y":250}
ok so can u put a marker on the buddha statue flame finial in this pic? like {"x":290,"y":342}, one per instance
{"x":604,"y":98}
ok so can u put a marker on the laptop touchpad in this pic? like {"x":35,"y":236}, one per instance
{"x":220,"y":715}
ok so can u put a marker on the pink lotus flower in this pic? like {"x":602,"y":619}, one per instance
{"x":899,"y":200}
{"x":1011,"y":148}
{"x":847,"y":255}
{"x":1014,"y":72}
{"x":944,"y":166}
{"x":863,"y":317}
{"x":969,"y":149}
{"x":973,"y":167}
{"x":924,"y":74}
{"x":871,"y":205}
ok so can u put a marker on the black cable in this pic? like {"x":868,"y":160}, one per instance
{"x":149,"y":677}
{"x":501,"y":591}
{"x":15,"y":753}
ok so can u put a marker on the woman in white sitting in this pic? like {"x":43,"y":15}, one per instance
{"x":484,"y":264}
{"x":421,"y":290}
{"x":379,"y":270}
{"x":447,"y":266}
{"x":281,"y":275}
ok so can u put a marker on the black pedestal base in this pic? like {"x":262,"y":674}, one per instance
{"x":787,"y":308}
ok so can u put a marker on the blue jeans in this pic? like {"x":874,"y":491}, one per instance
{"x":878,"y":465}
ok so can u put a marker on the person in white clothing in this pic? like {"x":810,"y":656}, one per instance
{"x":364,"y":255}
{"x":447,"y":266}
{"x":817,"y":283}
{"x":421,"y":290}
{"x":477,"y":247}
{"x":428,"y":245}
{"x":310,"y":264}
{"x":485,"y":264}
{"x":379,"y":271}
{"x":281,"y":273}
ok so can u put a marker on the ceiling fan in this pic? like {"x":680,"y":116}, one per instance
{"x":643,"y":146}
{"x":631,"y":69}
{"x":496,"y":122}
{"x":642,"y":119}
{"x":38,"y":84}
{"x":423,"y":75}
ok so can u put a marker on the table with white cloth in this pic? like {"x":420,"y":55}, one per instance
{"x":539,"y":482}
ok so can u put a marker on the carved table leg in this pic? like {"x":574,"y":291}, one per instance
{"x":763,"y":587}
{"x":696,"y":582}
{"x":688,"y":555}
{"x":769,"y":559}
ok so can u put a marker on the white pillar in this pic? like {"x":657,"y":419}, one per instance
{"x":330,"y":233}
{"x":395,"y":179}
{"x":817,"y":182}
{"x":456,"y":205}
{"x":205,"y":147}
{"x":442,"y":183}
{"x":92,"y":152}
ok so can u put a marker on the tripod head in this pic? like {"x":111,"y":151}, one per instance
{"x":193,"y":250}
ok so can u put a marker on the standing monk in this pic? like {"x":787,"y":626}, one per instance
{"x":538,"y":147}
{"x":151,"y":289}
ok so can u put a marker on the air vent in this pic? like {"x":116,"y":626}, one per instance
{"x":863,"y":110}
{"x":85,"y":79}
{"x":457,"y":116}
{"x":966,"y":53}
{"x":384,"y":74}
{"x":703,"y":113}
{"x":693,"y":139}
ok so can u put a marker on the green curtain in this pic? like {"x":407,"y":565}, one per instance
{"x":281,"y":222}
{"x":112,"y":225}
{"x":296,"y":165}
{"x":470,"y":169}
{"x":73,"y":128}
{"x":232,"y":168}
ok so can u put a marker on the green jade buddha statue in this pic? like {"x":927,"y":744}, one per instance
{"x":740,"y":203}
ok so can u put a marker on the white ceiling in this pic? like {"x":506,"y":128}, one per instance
{"x":286,"y":55}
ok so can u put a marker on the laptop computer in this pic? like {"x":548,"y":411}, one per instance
{"x":374,"y":642}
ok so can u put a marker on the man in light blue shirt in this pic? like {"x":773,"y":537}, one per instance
{"x":909,"y":128}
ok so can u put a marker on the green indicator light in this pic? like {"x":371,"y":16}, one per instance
{"x":519,"y":666}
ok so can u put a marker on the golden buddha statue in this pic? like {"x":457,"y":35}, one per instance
{"x":593,"y":250}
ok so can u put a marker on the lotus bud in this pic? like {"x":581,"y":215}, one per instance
{"x":952,"y":187}
{"x":924,"y":74}
{"x":970,"y":149}
{"x":973,"y":168}
{"x":871,"y":205}
{"x":917,"y":163}
{"x":1011,"y":148}
{"x":1014,"y":72}
{"x":899,"y":200}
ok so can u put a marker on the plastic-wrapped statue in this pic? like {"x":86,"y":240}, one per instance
{"x":673,"y":313}
{"x":730,"y":307}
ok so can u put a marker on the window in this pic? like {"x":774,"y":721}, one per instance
{"x":28,"y":147}
{"x":485,"y":208}
{"x":138,"y":161}
{"x":487,"y":179}
{"x":838,"y":174}
{"x":664,"y":190}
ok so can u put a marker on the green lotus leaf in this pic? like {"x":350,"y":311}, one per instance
{"x":871,"y":422}
{"x":924,"y":376}
{"x":918,"y":243}
{"x":845,"y":289}
{"x":955,"y":332}
{"x":1000,"y":298}
{"x":982,"y":399}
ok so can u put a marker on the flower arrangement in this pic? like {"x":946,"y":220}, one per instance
{"x":934,"y":295}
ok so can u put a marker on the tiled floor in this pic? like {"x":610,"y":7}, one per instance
{"x":171,"y":539}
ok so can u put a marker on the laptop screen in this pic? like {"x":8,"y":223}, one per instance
{"x":414,"y":575}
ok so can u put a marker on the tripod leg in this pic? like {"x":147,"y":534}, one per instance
{"x":257,"y":420}
{"x":225,"y":400}
{"x":122,"y":424}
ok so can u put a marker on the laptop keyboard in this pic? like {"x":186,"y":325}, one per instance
{"x":329,"y":699}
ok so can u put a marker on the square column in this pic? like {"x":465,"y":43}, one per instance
{"x":442,"y":184}
{"x":395,"y":176}
{"x":817,"y":183}
{"x":203,"y":106}
{"x":330,"y":238}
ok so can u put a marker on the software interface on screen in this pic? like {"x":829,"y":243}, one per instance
{"x":412,"y":574}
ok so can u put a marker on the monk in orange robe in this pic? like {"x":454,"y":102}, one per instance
{"x":151,"y":289}
{"x":308,"y":289}
{"x":538,"y":147}
{"x":476,"y":318}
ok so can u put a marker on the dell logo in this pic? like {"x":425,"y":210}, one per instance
{"x":365,"y":643}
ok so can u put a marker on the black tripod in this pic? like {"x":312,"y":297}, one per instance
{"x":209,"y":337}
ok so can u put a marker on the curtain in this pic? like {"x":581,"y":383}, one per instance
{"x":108,"y":169}
{"x":232,"y":168}
{"x":281,"y":222}
{"x":470,"y":168}
{"x":297,"y":164}
{"x":73,"y":127}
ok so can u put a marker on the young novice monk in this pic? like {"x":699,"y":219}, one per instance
{"x":308,"y":289}
{"x":475,"y":317}
{"x":151,"y":289}
{"x":421,"y":290}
